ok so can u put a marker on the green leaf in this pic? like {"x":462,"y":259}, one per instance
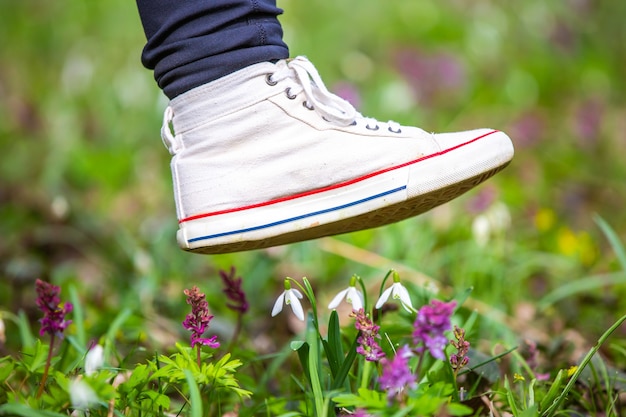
{"x":530,"y":412}
{"x":366,"y":398}
{"x":296,"y":344}
{"x":6,"y":367}
{"x":314,"y":365}
{"x":334,"y":347}
{"x":159,"y":400}
{"x":553,"y":392}
{"x":345,"y":365}
{"x":35,"y":356}
{"x":456,"y":409}
{"x":303,"y":356}
{"x":15,"y":409}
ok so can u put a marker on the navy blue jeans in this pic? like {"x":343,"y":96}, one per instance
{"x":193,"y":42}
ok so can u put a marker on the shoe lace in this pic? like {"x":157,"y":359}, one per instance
{"x":329,"y":106}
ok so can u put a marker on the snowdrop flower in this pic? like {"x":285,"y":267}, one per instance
{"x":81,"y":395}
{"x":352,"y":296}
{"x":397,"y":291}
{"x":2,"y":330}
{"x":94,"y":359}
{"x":493,"y":222}
{"x":291,"y":297}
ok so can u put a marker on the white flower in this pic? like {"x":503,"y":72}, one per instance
{"x":81,"y":394}
{"x":290,"y":296}
{"x":397,"y":292}
{"x":2,"y":330}
{"x":352,"y":296}
{"x":94,"y":359}
{"x":493,"y":222}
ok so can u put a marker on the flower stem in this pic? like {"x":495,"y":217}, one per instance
{"x":42,"y":384}
{"x":236,"y":333}
{"x":198,"y":347}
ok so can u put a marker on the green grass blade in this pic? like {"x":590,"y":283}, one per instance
{"x":579,"y":286}
{"x":510,"y":398}
{"x":78,"y":318}
{"x":570,"y":384}
{"x":613,"y":239}
{"x":553,"y":391}
{"x":195,"y":401}
{"x":25,"y":331}
{"x":113,"y":329}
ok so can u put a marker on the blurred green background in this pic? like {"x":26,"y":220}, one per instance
{"x":85,"y":191}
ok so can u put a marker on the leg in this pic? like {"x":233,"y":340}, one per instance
{"x":193,"y":42}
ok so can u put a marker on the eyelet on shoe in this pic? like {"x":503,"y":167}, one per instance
{"x":353,"y":123}
{"x":368,"y":127}
{"x":307,"y":105}
{"x":394,"y":131}
{"x":289,"y":95}
{"x":269,"y":81}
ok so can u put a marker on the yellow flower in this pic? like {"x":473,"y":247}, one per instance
{"x":517,"y":377}
{"x":571,"y":370}
{"x":544,"y":219}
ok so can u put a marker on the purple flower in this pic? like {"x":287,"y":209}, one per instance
{"x":433,"y":77}
{"x":198,"y":320}
{"x":368,"y":346}
{"x":49,"y":302}
{"x":531,"y":355}
{"x":396,"y":374}
{"x":234,"y":292}
{"x":459,"y":359}
{"x":430,"y":324}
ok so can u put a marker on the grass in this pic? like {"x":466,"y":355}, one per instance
{"x":86,"y":200}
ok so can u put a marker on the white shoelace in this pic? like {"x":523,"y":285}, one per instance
{"x":329,"y":106}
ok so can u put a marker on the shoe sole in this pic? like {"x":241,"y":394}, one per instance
{"x":374,"y":200}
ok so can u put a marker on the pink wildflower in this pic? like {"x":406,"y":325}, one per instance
{"x":234,"y":292}
{"x":368,"y":346}
{"x":396,"y":375}
{"x":49,"y":302}
{"x":198,"y":320}
{"x":430,"y":324}
{"x":459,"y":359}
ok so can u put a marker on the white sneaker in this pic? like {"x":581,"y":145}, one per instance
{"x":268,"y":156}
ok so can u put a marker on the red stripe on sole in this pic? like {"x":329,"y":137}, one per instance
{"x":335,"y":186}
